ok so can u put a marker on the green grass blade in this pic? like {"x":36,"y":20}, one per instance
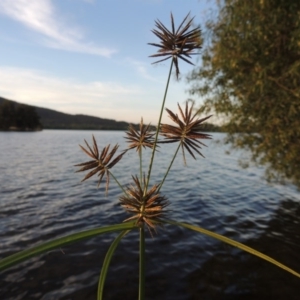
{"x":72,"y":238}
{"x":106,"y":263}
{"x":142,"y":264}
{"x":235,"y":244}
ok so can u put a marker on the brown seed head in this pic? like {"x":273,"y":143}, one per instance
{"x":145,"y":208}
{"x":101,"y":162}
{"x":140,"y":138}
{"x":180,"y":43}
{"x":187,"y":132}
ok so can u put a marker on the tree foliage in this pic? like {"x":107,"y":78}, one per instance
{"x":250,"y":76}
{"x":18,"y":117}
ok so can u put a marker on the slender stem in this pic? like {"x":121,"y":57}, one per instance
{"x":175,"y":154}
{"x":158,"y":126}
{"x":142,"y":264}
{"x":141,"y":167}
{"x":118,"y":183}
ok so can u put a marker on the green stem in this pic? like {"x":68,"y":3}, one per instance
{"x":118,"y":183}
{"x":142,"y":264}
{"x":157,"y":129}
{"x":162,"y":182}
{"x":141,"y":167}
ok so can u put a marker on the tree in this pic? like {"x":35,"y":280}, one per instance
{"x":27,"y":117}
{"x":18,"y":117}
{"x":7,"y":115}
{"x":250,"y":76}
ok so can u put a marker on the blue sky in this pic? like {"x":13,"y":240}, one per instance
{"x":91,"y":56}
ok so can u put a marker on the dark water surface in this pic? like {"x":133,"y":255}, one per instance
{"x":41,"y":198}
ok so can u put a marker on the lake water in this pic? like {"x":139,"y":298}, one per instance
{"x":41,"y":198}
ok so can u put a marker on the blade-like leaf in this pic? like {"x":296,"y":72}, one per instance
{"x":72,"y":238}
{"x":106,"y":263}
{"x":234,"y":243}
{"x":142,"y":262}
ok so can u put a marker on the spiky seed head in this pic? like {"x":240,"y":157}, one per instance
{"x":140,"y":138}
{"x":147,"y":208}
{"x":177,"y":44}
{"x":100,"y":163}
{"x":187,"y":132}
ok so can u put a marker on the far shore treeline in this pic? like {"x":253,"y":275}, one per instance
{"x":15,"y":116}
{"x":18,"y":117}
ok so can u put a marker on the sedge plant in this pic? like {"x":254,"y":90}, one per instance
{"x":146,"y":204}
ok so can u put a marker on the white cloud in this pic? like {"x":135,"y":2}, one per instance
{"x":142,"y":69}
{"x":103,"y":99}
{"x":41,"y":16}
{"x":109,"y":99}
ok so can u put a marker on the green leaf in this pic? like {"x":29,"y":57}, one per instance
{"x":233,"y":243}
{"x":106,"y":263}
{"x":142,"y":264}
{"x":69,"y":239}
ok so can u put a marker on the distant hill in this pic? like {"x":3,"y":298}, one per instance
{"x":52,"y":119}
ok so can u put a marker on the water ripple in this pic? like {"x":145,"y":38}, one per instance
{"x":42,"y":198}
